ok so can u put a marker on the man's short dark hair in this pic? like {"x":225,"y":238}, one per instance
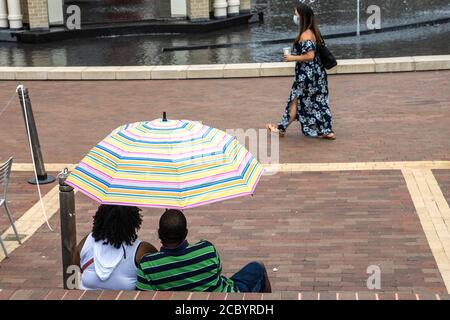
{"x":172,"y":226}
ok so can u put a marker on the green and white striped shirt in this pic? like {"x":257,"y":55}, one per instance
{"x":194,"y":267}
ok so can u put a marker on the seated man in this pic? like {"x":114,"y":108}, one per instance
{"x":180,"y":266}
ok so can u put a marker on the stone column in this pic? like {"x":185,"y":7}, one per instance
{"x":233,"y":7}
{"x":38,"y":14}
{"x":220,"y":9}
{"x":3,"y":14}
{"x":198,"y":10}
{"x":246,"y":6}
{"x":14,"y":14}
{"x":178,"y":8}
{"x":55,"y":12}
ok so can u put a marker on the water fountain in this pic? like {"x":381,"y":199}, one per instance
{"x":426,"y":21}
{"x":103,"y":11}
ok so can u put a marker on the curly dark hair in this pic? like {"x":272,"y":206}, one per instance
{"x":116,"y":224}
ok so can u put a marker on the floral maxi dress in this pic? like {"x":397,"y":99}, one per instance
{"x":310,"y":88}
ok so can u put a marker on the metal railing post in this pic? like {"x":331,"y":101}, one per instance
{"x":358,"y":15}
{"x":25,"y":102}
{"x":68,"y":228}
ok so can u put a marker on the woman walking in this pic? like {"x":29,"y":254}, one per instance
{"x":308,"y":100}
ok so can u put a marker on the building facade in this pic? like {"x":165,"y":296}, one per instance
{"x":30,"y":14}
{"x":43,"y":14}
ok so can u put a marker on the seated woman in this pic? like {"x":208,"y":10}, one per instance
{"x":109,"y":256}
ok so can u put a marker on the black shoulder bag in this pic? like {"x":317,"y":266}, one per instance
{"x":327,"y":58}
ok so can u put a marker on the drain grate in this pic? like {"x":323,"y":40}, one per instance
{"x":12,"y":237}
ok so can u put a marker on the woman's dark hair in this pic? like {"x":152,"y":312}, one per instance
{"x":307,"y":22}
{"x":116,"y":224}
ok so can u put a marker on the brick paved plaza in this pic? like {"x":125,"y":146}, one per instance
{"x":378,"y":195}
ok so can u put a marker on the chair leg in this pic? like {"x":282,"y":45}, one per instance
{"x":4,"y":248}
{"x":11,"y":219}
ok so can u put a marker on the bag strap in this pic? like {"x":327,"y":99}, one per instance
{"x":87,"y":264}
{"x":322,"y":39}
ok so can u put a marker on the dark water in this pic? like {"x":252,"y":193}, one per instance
{"x":100,"y":11}
{"x":334,"y":17}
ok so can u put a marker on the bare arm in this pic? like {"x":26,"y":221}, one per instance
{"x":308,"y":56}
{"x":76,"y":255}
{"x":144,"y":248}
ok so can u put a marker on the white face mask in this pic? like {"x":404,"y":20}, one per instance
{"x":296,"y":20}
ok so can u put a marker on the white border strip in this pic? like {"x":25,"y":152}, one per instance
{"x":32,"y":220}
{"x":218,"y":71}
{"x":434,"y":214}
{"x":294,"y":167}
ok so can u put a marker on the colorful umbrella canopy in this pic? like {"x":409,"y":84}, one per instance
{"x":166,"y":164}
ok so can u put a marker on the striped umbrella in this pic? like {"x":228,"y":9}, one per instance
{"x":166,"y":164}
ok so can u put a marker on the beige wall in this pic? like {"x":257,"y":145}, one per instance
{"x":245,"y":5}
{"x":36,"y":12}
{"x":198,"y":9}
{"x":24,"y":8}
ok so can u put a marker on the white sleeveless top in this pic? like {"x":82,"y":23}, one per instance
{"x":108,"y":268}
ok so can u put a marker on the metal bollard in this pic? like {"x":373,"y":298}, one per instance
{"x":68,"y":229}
{"x":27,"y":111}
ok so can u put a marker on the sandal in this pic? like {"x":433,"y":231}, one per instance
{"x":273,"y":129}
{"x":329,"y":136}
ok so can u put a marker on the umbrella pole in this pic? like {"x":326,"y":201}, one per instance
{"x":68,"y":232}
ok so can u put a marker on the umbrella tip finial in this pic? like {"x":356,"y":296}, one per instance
{"x":164,"y":116}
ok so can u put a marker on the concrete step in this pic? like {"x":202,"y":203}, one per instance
{"x":59,"y":294}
